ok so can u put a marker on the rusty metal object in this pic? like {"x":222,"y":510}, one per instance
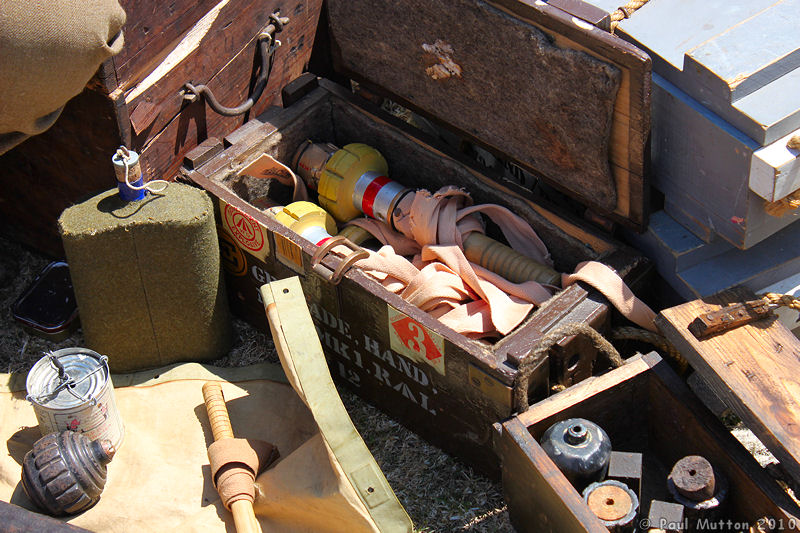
{"x":702,"y":490}
{"x":267,"y":43}
{"x":693,"y":478}
{"x":65,"y":472}
{"x":579,"y":448}
{"x":729,"y":317}
{"x":613,"y":503}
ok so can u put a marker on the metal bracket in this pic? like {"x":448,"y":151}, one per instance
{"x":267,"y":43}
{"x":336,"y":276}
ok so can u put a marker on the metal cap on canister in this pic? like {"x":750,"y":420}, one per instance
{"x":71,"y":389}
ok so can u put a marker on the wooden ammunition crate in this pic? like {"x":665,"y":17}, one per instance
{"x":644,"y":407}
{"x":136,"y":99}
{"x":452,"y":389}
{"x":449,"y":388}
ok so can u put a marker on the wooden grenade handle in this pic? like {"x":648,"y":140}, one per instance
{"x":244,"y":517}
{"x":217,"y":412}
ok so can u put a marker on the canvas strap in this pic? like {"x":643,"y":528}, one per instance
{"x":464,"y":296}
{"x":439,"y":279}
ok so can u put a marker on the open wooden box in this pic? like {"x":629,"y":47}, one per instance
{"x":644,"y":407}
{"x":453,"y":396}
{"x":555,"y":96}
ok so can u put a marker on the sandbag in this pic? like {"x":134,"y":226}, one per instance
{"x":147,"y":277}
{"x":50,"y":50}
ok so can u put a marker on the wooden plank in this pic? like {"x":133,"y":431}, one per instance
{"x":520,"y":120}
{"x":170,"y":136}
{"x":754,"y":369}
{"x":229,"y":42}
{"x":558,"y":507}
{"x":151,"y":29}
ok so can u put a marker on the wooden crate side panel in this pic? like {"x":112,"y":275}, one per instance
{"x":501,"y":111}
{"x":539,"y":497}
{"x":674,"y":410}
{"x":169,"y":137}
{"x":752,"y":368}
{"x":151,"y":29}
{"x":353,"y":323}
{"x":53,"y":170}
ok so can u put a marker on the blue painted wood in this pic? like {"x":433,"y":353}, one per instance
{"x":702,"y":165}
{"x":749,"y":55}
{"x":695,"y":269}
{"x":770,"y":109}
{"x":768,"y":262}
{"x":720,"y":52}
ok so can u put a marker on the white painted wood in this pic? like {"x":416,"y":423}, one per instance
{"x":775,"y":170}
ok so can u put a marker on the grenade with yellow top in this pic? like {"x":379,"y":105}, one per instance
{"x":352,"y":180}
{"x":306,"y":219}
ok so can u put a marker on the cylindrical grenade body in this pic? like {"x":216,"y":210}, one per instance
{"x":580,"y":449}
{"x":65,"y":472}
{"x":132,"y":175}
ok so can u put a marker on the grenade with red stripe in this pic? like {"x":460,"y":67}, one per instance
{"x":350,"y":180}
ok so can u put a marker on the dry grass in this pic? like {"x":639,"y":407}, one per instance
{"x":439,"y":493}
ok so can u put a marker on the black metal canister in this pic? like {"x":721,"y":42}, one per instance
{"x":580,"y":449}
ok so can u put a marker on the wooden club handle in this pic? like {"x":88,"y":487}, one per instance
{"x":244,"y":517}
{"x":217,"y":412}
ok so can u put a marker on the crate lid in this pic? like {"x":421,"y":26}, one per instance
{"x":739,"y":59}
{"x":536,"y":86}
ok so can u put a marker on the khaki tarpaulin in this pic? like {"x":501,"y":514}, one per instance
{"x":325,"y":479}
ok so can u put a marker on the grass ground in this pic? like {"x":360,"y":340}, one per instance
{"x":439,"y":493}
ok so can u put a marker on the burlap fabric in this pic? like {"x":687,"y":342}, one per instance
{"x":48,"y":52}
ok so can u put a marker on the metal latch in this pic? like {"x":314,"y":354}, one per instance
{"x":730,"y":317}
{"x":267,"y":43}
{"x":335,"y":276}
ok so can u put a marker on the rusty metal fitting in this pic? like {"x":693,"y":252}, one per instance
{"x":613,"y":503}
{"x":695,"y":484}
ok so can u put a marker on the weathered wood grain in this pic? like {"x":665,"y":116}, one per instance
{"x":151,"y":29}
{"x":225,"y":61}
{"x":755,"y":369}
{"x":49,"y":172}
{"x":513,"y":86}
{"x":455,"y":409}
{"x":644,"y":407}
